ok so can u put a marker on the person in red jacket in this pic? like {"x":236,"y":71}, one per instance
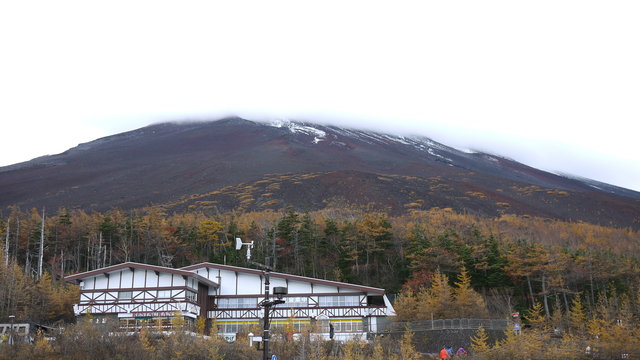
{"x":444,"y":354}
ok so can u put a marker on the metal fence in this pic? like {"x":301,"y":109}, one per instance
{"x":442,"y":324}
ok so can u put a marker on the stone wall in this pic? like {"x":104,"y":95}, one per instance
{"x":432,"y":341}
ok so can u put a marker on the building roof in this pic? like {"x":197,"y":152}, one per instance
{"x":133,"y":265}
{"x":189,"y":271}
{"x":273,"y":274}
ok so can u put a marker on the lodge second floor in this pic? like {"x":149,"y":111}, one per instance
{"x":236,"y":293}
{"x":131,"y":300}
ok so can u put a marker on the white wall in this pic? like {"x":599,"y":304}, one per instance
{"x":249,"y":284}
{"x":139,"y":278}
{"x":101,"y":282}
{"x":165,"y":280}
{"x":126,"y":280}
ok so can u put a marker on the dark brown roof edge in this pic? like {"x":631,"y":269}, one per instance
{"x":134,"y":265}
{"x":285,"y":276}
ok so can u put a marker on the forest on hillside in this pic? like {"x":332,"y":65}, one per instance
{"x":511,"y":262}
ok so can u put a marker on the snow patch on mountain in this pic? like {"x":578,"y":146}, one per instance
{"x":299,"y":128}
{"x":593,"y":183}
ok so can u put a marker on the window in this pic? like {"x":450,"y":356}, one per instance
{"x":164,"y":294}
{"x":347,"y":325}
{"x":342,"y":301}
{"x":237,"y":303}
{"x":231,"y":328}
{"x":297,"y":324}
{"x":375,"y":300}
{"x":191,"y":296}
{"x":235,"y":327}
{"x":294,"y":302}
{"x":151,"y":322}
{"x":125,"y":295}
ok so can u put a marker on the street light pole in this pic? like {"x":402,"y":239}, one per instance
{"x":267,"y":303}
{"x":12,"y":340}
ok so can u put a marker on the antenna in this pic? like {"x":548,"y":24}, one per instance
{"x":239,"y":244}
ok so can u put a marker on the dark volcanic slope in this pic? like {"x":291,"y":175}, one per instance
{"x":167,"y":163}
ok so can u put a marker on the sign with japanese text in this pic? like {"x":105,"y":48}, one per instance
{"x":153,"y":313}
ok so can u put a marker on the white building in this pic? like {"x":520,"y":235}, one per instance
{"x":139,"y":295}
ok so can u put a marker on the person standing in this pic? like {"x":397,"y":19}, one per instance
{"x":517,"y":328}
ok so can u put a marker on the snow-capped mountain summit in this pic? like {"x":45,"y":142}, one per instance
{"x":317,"y":165}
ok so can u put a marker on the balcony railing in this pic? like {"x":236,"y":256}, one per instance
{"x":282,"y":312}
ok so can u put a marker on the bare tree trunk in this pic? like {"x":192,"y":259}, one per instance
{"x":545,"y":296}
{"x":78,"y":261}
{"x":566,"y":301}
{"x":41,"y":252}
{"x":15,"y":249}
{"x":530,"y":289}
{"x":27,"y":255}
{"x":6,"y":245}
{"x":273,"y":255}
{"x":593,"y":296}
{"x":99,"y":257}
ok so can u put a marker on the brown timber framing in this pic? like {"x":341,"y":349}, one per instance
{"x":180,"y":296}
{"x":131,"y":308}
{"x":285,"y":313}
{"x":101,"y":289}
{"x":132,"y":266}
{"x":310,"y":296}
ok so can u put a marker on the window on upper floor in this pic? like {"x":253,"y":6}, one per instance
{"x":164,"y":294}
{"x":192,"y":296}
{"x":237,"y":303}
{"x":125,"y":295}
{"x":375,"y":300}
{"x":328,"y":301}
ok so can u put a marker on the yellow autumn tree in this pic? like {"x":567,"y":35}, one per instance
{"x":467,"y":303}
{"x":208,"y":236}
{"x":407,"y":350}
{"x":533,"y":341}
{"x":480,"y":344}
{"x":510,"y":347}
{"x":438,"y":299}
{"x":406,"y":307}
{"x":577,"y":316}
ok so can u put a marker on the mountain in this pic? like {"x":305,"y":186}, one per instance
{"x":244,"y":165}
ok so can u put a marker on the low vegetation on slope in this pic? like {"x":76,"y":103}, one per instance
{"x":398,"y":195}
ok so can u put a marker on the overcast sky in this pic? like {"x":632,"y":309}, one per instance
{"x":552,"y":84}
